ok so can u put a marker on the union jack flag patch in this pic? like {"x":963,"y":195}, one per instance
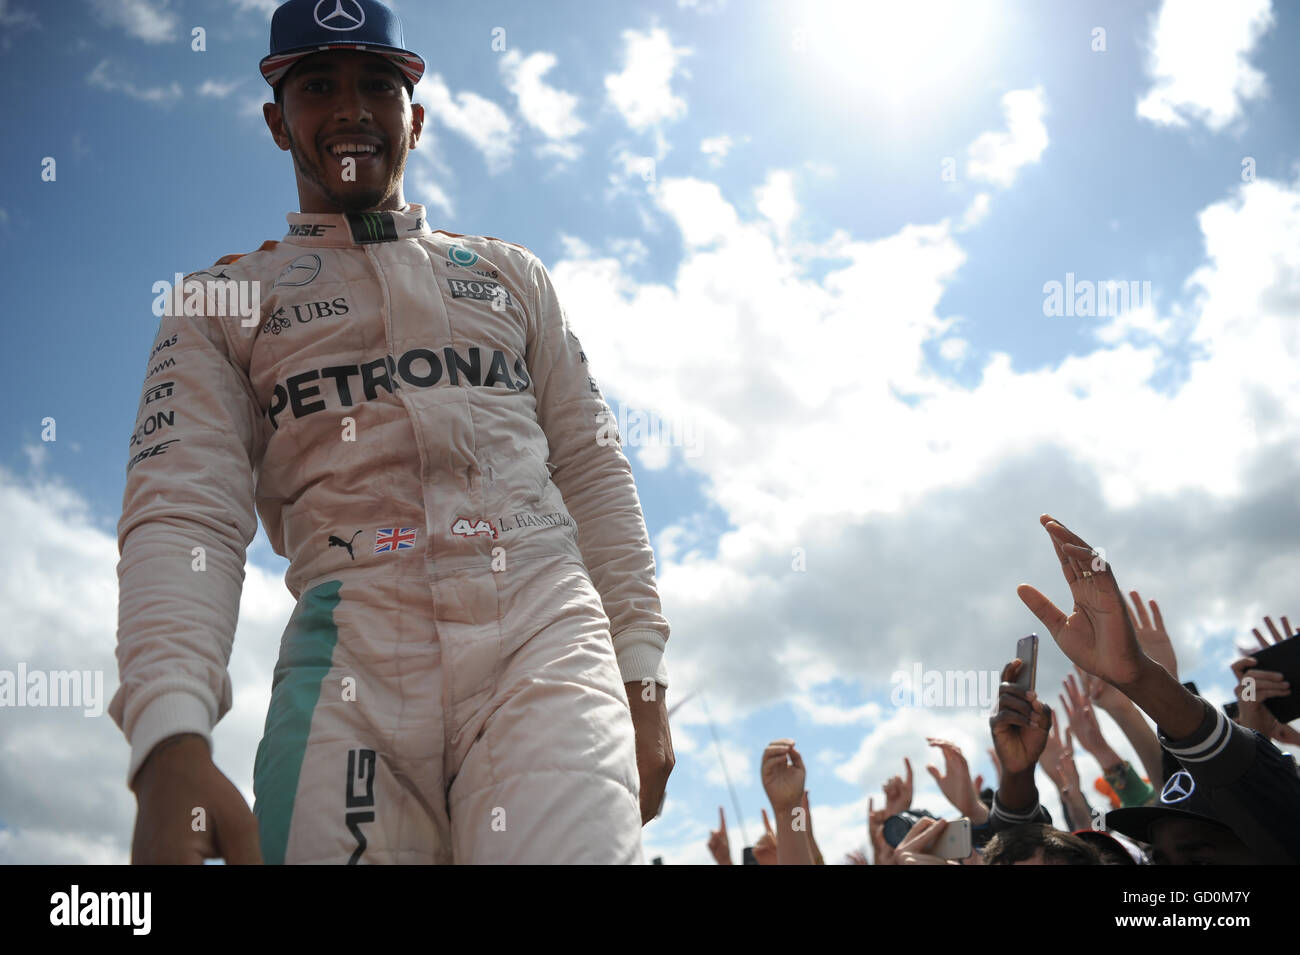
{"x":394,"y":538}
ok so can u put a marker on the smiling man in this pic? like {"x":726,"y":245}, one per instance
{"x":415,"y":422}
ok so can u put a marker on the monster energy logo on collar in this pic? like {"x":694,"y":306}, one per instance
{"x":368,"y":227}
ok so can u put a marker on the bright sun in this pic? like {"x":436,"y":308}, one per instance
{"x":901,"y":54}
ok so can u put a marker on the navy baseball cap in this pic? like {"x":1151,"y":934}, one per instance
{"x":300,"y":28}
{"x":1179,"y":798}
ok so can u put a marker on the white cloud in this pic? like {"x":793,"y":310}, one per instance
{"x":427,"y":177}
{"x":218,"y":89}
{"x":147,"y":20}
{"x":642,"y":92}
{"x":716,"y":148}
{"x":63,"y":772}
{"x":37,"y":455}
{"x":822,"y":425}
{"x":632,"y":174}
{"x":107,"y":76}
{"x":954,"y":349}
{"x":430,"y":194}
{"x":776,"y":200}
{"x":998,"y":157}
{"x":740,"y":765}
{"x":478,"y":119}
{"x":1198,"y":60}
{"x":549,"y":110}
{"x":629,"y":251}
{"x":976,"y":212}
{"x":1134,"y":323}
{"x":250,"y":107}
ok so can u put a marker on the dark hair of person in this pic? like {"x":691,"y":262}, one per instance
{"x":1022,"y":842}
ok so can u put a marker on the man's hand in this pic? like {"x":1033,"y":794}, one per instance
{"x":1053,"y":752}
{"x":783,"y":776}
{"x":898,"y":792}
{"x":1065,"y":766}
{"x":1266,"y":685}
{"x":654,"y":744}
{"x":1101,"y":694}
{"x":1153,"y":637}
{"x":176,"y":778}
{"x":1020,"y":725}
{"x":955,"y":782}
{"x":882,"y":852}
{"x":1098,"y":636}
{"x":765,"y":852}
{"x":919,"y":845}
{"x":719,"y":845}
{"x":1084,"y":725}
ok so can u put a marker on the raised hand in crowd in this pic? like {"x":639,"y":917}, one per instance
{"x":765,"y":852}
{"x":1129,"y":719}
{"x":1058,"y":762}
{"x":1020,"y":728}
{"x":1265,"y":685}
{"x":719,"y":845}
{"x":783,"y":777}
{"x":1098,"y":636}
{"x":1053,"y":751}
{"x":898,"y":791}
{"x":882,"y":853}
{"x":956,"y":784}
{"x":812,"y":841}
{"x":1152,"y":635}
{"x":921,"y":842}
{"x":1083,"y":724}
{"x":1251,"y":787}
{"x":856,"y":857}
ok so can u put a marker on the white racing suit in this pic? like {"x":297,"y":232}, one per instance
{"x":415,"y":423}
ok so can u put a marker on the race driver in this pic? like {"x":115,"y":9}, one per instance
{"x":414,"y":421}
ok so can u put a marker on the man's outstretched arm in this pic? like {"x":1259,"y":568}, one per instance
{"x":595,"y":480}
{"x":187,"y":519}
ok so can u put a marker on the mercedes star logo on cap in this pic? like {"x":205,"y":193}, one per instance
{"x":339,"y":18}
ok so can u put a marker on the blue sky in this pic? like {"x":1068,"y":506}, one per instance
{"x":746,"y":213}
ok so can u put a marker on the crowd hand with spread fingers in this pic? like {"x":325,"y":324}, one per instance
{"x":1099,"y":638}
{"x":1053,"y":750}
{"x":898,"y":791}
{"x":1083,"y":724}
{"x":855,"y":857}
{"x":955,"y":782}
{"x":1267,"y":685}
{"x":1129,"y":719}
{"x":719,"y":845}
{"x":783,"y":777}
{"x":1058,"y":762}
{"x":1020,"y":728}
{"x":919,"y":845}
{"x":882,"y":853}
{"x":1152,"y":635}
